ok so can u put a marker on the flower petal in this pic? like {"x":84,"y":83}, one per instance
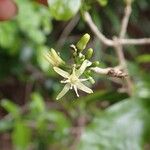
{"x":56,"y":57}
{"x":84,"y":65}
{"x":76,"y":91}
{"x":83,"y":87}
{"x":49,"y":58}
{"x":64,"y":91}
{"x":61,"y":72}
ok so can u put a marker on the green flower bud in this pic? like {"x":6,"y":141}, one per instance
{"x":91,"y":80}
{"x":81,"y":45}
{"x":82,"y":60}
{"x":88,"y":72}
{"x":53,"y":58}
{"x":75,"y":54}
{"x":83,"y":57}
{"x":95,"y":64}
{"x":89,"y":53}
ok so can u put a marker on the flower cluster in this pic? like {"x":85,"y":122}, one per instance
{"x":80,"y":66}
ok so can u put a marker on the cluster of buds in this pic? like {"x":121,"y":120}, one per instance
{"x":53,"y":58}
{"x":80,"y":67}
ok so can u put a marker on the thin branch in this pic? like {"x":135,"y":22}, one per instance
{"x":110,"y":42}
{"x":119,"y":52}
{"x":112,"y":72}
{"x":78,"y":131}
{"x":125,"y":21}
{"x":67,"y":31}
{"x":96,"y":31}
{"x":141,"y":41}
{"x":119,"y":48}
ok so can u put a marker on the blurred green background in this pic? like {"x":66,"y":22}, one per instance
{"x":108,"y":119}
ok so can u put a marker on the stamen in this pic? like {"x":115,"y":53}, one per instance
{"x":66,"y":81}
{"x":71,"y":87}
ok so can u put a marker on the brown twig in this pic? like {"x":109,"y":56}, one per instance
{"x":67,"y":31}
{"x":112,"y":72}
{"x":125,"y":20}
{"x":110,"y":42}
{"x":118,"y":43}
{"x":96,"y":31}
{"x":77,"y":131}
{"x":119,"y":48}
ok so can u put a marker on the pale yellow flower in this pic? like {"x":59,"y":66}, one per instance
{"x":53,"y":58}
{"x":72,"y":80}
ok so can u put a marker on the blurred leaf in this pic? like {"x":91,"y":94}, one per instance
{"x":115,"y":21}
{"x":21,"y":136}
{"x":142,"y":89}
{"x":5,"y":124}
{"x":8,"y":31}
{"x":10,"y":107}
{"x":31,"y":21}
{"x":121,"y":127}
{"x":64,"y":9}
{"x":103,"y":2}
{"x":37,"y":104}
{"x":43,"y":63}
{"x":59,"y":119}
{"x":143,"y":58}
{"x":101,"y":96}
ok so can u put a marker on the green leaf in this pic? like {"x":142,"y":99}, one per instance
{"x":122,"y":126}
{"x":37,"y":104}
{"x":143,"y":58}
{"x":60,"y":122}
{"x":34,"y":22}
{"x":8,"y":31}
{"x":43,"y":63}
{"x":103,"y":2}
{"x":10,"y":107}
{"x":64,"y":9}
{"x":59,"y":119}
{"x":5,"y":124}
{"x":21,"y":136}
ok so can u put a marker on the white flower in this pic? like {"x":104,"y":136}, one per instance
{"x":72,"y":80}
{"x":53,"y":58}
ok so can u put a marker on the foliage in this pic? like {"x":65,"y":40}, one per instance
{"x":122,"y":126}
{"x":32,"y":118}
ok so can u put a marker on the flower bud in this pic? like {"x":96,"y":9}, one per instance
{"x":81,"y":45}
{"x":88,"y":72}
{"x":89,"y":53}
{"x":91,"y":80}
{"x":82,"y":58}
{"x":53,"y":58}
{"x":74,"y":54}
{"x":95,"y":64}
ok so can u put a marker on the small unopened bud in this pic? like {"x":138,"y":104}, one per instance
{"x":82,"y":58}
{"x":53,"y":58}
{"x":89,"y":53}
{"x":95,"y":64}
{"x":81,"y":45}
{"x":88,"y":72}
{"x":75,"y":54}
{"x":91,"y":80}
